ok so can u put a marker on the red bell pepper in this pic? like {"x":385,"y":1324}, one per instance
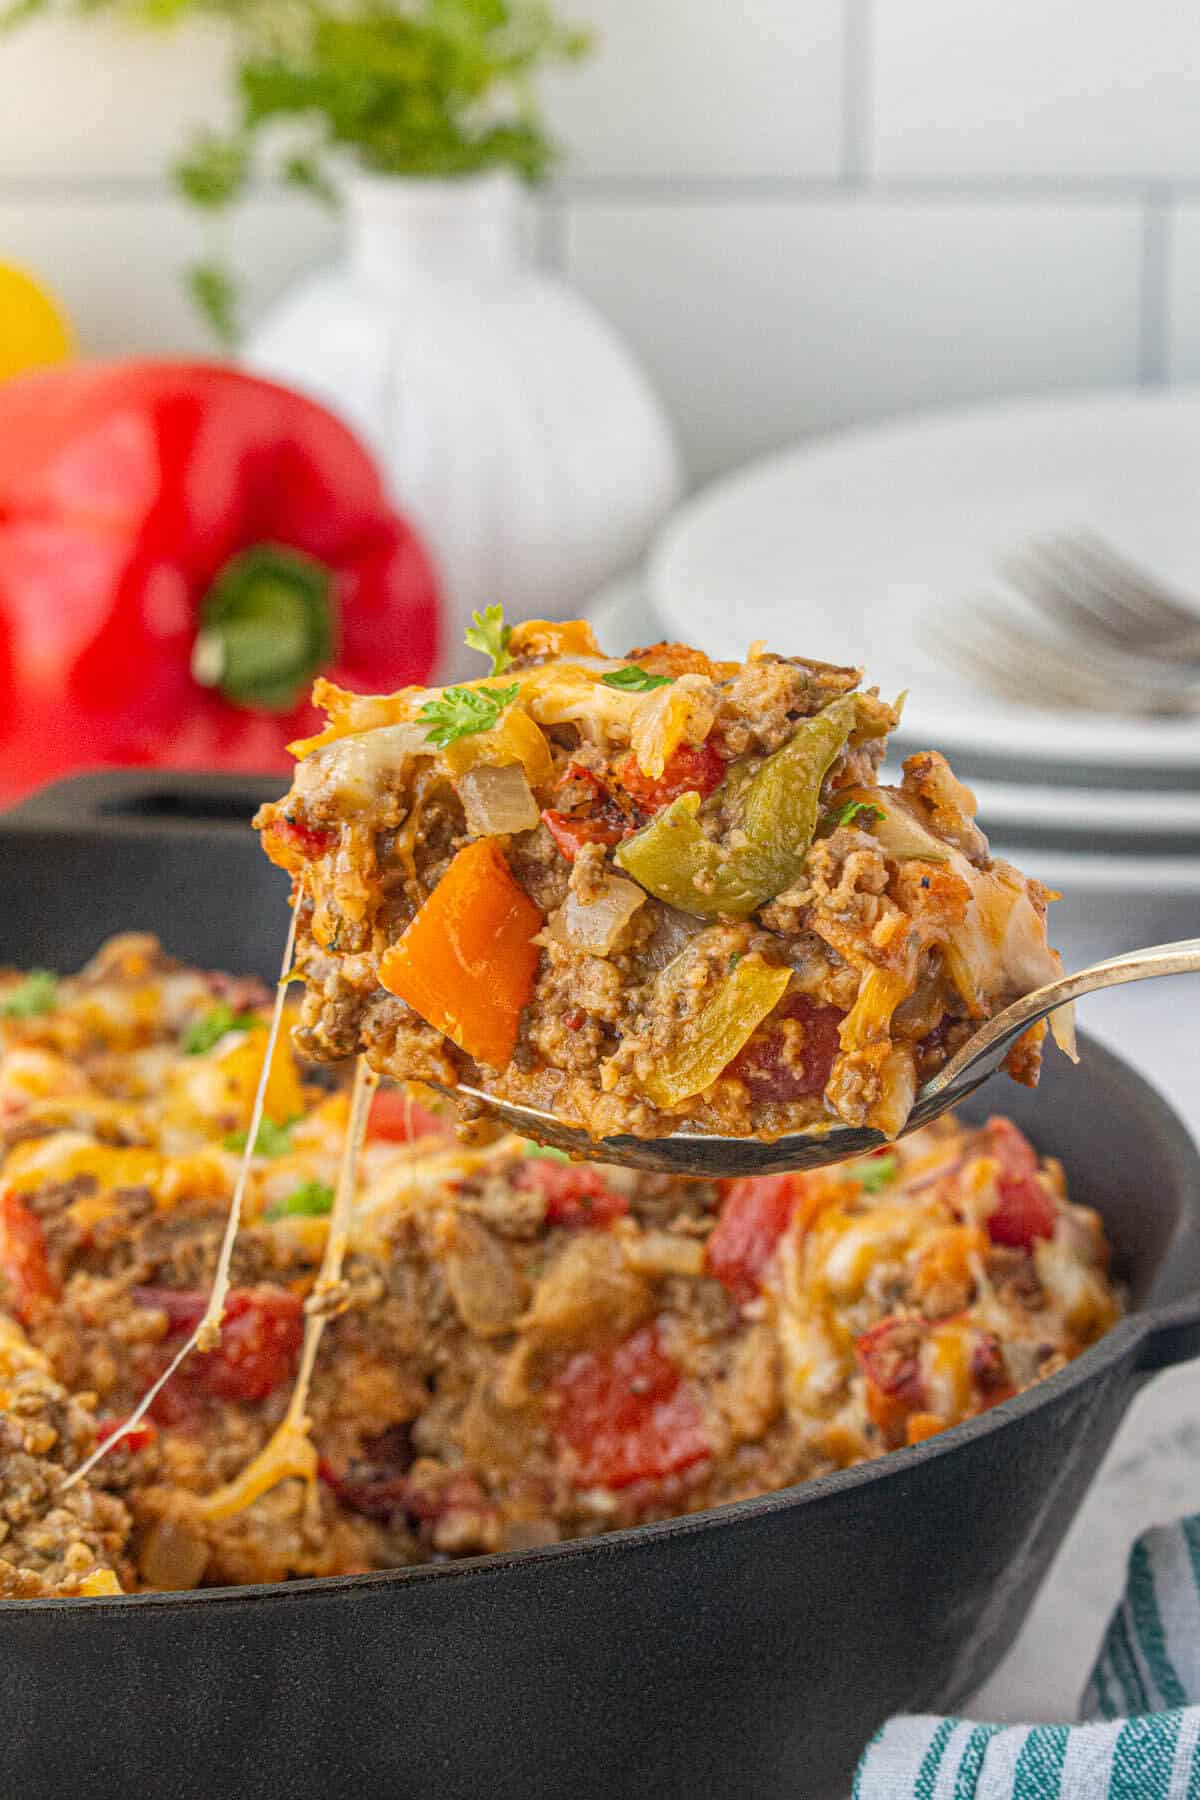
{"x":183,"y":547}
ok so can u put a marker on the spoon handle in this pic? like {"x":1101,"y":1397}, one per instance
{"x":985,"y":1050}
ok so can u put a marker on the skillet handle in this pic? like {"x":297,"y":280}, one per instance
{"x":117,"y":800}
{"x":1174,"y":1337}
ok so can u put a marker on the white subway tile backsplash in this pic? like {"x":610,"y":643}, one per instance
{"x":117,"y":264}
{"x":677,"y":88}
{"x":92,"y":100}
{"x":764,"y":321}
{"x":1036,"y":88}
{"x":1183,"y":294}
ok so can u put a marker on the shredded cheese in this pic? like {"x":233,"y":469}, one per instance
{"x":289,"y":1453}
{"x":207,"y":1334}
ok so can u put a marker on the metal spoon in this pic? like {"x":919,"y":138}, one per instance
{"x":699,"y":1153}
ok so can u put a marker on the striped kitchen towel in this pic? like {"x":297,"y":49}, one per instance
{"x":1143,"y":1696}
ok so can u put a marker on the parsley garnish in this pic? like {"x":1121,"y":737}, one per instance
{"x":633,"y":680}
{"x":273,"y":1139}
{"x":544,"y":1153}
{"x":206,"y":1032}
{"x":37,"y":994}
{"x":489,"y":635}
{"x":311,"y":1200}
{"x":461,"y":712}
{"x":846,"y":815}
{"x":877,"y":1173}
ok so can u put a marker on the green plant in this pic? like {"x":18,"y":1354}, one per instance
{"x":402,"y":87}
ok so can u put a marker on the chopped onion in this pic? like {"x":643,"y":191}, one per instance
{"x":353,"y":770}
{"x":497,"y":801}
{"x":902,"y":835}
{"x":673,"y":931}
{"x":595,"y":925}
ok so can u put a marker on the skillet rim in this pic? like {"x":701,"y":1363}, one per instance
{"x":1124,"y":1344}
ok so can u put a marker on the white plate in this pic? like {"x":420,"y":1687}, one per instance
{"x":1123,"y":811}
{"x":846,"y":549}
{"x":1077,"y":873}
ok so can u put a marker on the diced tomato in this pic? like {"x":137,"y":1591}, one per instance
{"x":689,"y":771}
{"x":755,"y":1213}
{"x":889,"y":1355}
{"x":572,"y":831}
{"x":1024,"y":1210}
{"x":184,"y":1307}
{"x":23,"y":1261}
{"x":775,"y":1067}
{"x":575,"y":1193}
{"x":291,"y":844}
{"x":627,"y":1414}
{"x":395,"y":1119}
{"x":990,"y":1379}
{"x":139,"y":1438}
{"x":260,"y":1341}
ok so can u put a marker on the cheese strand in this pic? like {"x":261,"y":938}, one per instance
{"x":289,"y":1453}
{"x":207,"y":1333}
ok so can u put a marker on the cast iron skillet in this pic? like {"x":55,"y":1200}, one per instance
{"x":747,"y":1652}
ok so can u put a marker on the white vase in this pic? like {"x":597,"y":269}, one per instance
{"x":518,"y":432}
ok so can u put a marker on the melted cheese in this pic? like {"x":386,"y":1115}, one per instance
{"x":289,"y":1453}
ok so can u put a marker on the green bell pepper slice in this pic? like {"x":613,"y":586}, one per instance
{"x":775,"y":815}
{"x":743,"y":998}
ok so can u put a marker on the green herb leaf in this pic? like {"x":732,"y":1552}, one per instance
{"x":37,"y":994}
{"x":489,"y":635}
{"x":846,"y":815}
{"x":273,"y":1139}
{"x":461,"y":712}
{"x":214,"y":294}
{"x":213,"y":172}
{"x":204,"y":1033}
{"x":633,"y":680}
{"x":543,"y":1153}
{"x":311,"y":1200}
{"x":876,"y":1173}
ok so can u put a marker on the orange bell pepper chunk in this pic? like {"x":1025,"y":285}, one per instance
{"x":467,"y":962}
{"x":23,"y":1261}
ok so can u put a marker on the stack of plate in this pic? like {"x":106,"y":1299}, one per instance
{"x":849,"y":550}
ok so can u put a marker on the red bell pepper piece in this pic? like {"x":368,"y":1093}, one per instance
{"x":627,"y":1414}
{"x":182,"y":548}
{"x":24,"y":1265}
{"x":755,"y":1213}
{"x":575,"y":1193}
{"x":291,"y":844}
{"x":260,"y":1340}
{"x":572,"y":832}
{"x":1024,"y":1210}
{"x":691,"y":770}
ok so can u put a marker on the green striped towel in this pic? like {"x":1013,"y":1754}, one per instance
{"x":1142,"y":1741}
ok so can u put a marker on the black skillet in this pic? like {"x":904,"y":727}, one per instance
{"x":742,"y":1654}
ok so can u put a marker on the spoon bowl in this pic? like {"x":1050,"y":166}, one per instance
{"x":706,"y":1155}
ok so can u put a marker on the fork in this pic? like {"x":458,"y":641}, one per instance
{"x":991,"y":644}
{"x":1080,"y":582}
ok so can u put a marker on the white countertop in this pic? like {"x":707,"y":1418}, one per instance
{"x":1152,"y":1472}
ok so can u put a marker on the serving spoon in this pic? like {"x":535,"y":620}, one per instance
{"x":704,"y":1154}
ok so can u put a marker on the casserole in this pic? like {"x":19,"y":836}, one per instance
{"x":747,"y":1651}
